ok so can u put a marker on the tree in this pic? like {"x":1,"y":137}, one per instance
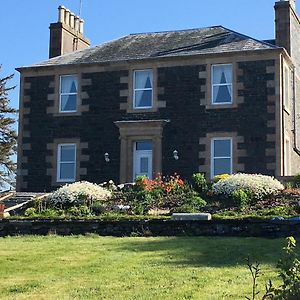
{"x":8,"y":135}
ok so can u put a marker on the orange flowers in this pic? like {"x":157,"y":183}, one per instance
{"x":167,"y":184}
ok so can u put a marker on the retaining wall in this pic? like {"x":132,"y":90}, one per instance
{"x":254,"y":228}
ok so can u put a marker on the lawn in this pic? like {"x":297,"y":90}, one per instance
{"x":93,"y":267}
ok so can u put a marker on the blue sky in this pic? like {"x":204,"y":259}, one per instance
{"x":25,"y":23}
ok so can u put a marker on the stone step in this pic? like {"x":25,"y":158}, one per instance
{"x":191,"y":216}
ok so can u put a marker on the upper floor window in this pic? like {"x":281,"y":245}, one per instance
{"x":143,"y":89}
{"x":68,"y":93}
{"x":222,"y":84}
{"x":66,"y":162}
{"x":221,"y":156}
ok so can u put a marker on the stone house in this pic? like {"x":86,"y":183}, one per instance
{"x":205,"y":100}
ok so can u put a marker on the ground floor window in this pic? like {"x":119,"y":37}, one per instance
{"x":66,"y":162}
{"x":221,"y":156}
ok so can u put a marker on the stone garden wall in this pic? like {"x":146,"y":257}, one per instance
{"x":278,"y":228}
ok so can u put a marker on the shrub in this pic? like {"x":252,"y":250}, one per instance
{"x":240,"y":198}
{"x":259,"y":186}
{"x":80,"y":211}
{"x":297,"y":180}
{"x":30,"y":212}
{"x":199,"y":182}
{"x":81,"y":192}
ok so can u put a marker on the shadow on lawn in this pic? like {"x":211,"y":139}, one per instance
{"x":207,"y":251}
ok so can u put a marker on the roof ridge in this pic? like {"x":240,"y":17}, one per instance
{"x":250,"y":37}
{"x":177,"y":30}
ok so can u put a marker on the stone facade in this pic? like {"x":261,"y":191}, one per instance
{"x":189,"y":123}
{"x":262,"y":122}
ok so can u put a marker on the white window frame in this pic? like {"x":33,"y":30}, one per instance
{"x":59,"y":162}
{"x":287,"y":158}
{"x":212,"y":164}
{"x":286,"y":88}
{"x":145,"y":89}
{"x":66,"y":94}
{"x":221,"y":84}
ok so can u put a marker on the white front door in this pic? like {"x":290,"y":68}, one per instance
{"x":142,"y":159}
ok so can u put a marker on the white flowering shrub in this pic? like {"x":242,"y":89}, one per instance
{"x":81,"y":192}
{"x":259,"y":186}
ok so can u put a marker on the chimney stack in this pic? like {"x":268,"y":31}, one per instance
{"x":285,"y":21}
{"x":67,"y":34}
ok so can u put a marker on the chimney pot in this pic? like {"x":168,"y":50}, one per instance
{"x":81,"y":23}
{"x":76,"y":23}
{"x":72,"y":20}
{"x":61,"y":14}
{"x":67,"y":17}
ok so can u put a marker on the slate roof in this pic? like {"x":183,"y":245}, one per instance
{"x":216,"y":39}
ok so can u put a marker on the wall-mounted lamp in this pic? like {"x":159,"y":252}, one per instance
{"x":175,"y":155}
{"x":106,"y":157}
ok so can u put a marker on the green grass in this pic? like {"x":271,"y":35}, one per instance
{"x":94,"y":267}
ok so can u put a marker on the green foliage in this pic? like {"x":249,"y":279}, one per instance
{"x":80,"y":211}
{"x":255,"y":271}
{"x":289,"y":273}
{"x":241,"y":198}
{"x":97,"y":208}
{"x":199,"y":182}
{"x":8,"y":134}
{"x":30,"y":212}
{"x":297,"y":180}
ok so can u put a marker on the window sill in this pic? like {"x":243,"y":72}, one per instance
{"x":66,"y":114}
{"x":221,"y":106}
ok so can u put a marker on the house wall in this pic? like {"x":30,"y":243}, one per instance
{"x":182,"y":100}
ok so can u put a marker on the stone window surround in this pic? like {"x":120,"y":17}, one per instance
{"x":207,"y":154}
{"x":132,"y":131}
{"x":129,"y":93}
{"x":208,"y":102}
{"x":53,"y":159}
{"x":55,"y":110}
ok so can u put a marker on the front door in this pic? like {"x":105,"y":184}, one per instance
{"x":142,"y":159}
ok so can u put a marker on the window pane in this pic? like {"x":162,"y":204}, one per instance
{"x":143,"y":79}
{"x":68,"y":84}
{"x":67,"y":171}
{"x":143,"y":98}
{"x":221,"y":166}
{"x":222,"y":148}
{"x":222,"y":74}
{"x":144,"y":165}
{"x":68,"y":103}
{"x":67,"y":153}
{"x":222,"y":94}
{"x":144,"y":145}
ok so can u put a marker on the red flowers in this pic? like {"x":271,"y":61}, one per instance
{"x":167,"y":184}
